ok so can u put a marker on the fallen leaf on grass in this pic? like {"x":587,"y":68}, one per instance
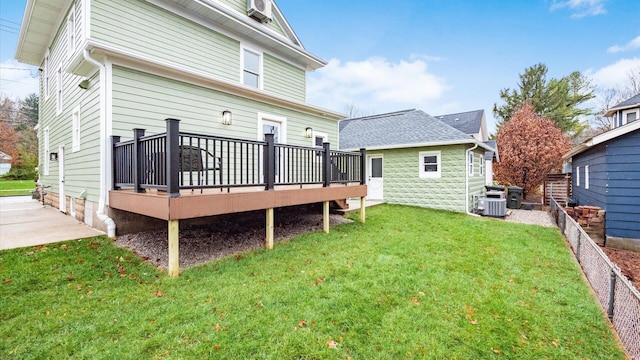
{"x":497,"y":351}
{"x":332,"y":344}
{"x":217,"y":347}
{"x":218,"y":327}
{"x":70,"y":277}
{"x":415,"y":300}
{"x":474,"y":322}
{"x":6,"y":281}
{"x":63,"y":247}
{"x":89,"y":292}
{"x":159,"y":293}
{"x":302,"y":323}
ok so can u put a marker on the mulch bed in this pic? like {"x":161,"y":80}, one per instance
{"x":628,"y":262}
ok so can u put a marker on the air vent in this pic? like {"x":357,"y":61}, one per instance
{"x":259,"y":10}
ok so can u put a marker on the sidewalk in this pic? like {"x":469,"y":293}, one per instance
{"x":24,"y":222}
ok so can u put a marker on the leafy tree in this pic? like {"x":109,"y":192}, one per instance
{"x":29,"y":111}
{"x":17,"y":137}
{"x":556,"y":99}
{"x":530,"y":147}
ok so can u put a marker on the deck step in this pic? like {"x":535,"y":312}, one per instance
{"x":341,"y":204}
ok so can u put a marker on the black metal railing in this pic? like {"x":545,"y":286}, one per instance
{"x":197,"y":161}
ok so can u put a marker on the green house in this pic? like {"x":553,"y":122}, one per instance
{"x":416,"y":159}
{"x":230,"y":71}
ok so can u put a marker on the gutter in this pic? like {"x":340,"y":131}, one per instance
{"x":466,"y":181}
{"x":111,"y":225}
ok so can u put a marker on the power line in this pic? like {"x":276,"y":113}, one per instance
{"x":12,"y":68}
{"x":10,"y":32}
{"x":10,"y":27}
{"x":9,"y":21}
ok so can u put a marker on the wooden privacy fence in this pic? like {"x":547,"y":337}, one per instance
{"x":557,"y":186}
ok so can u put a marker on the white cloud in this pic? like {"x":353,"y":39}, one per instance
{"x":614,"y":75}
{"x":375,"y":84}
{"x":15,"y":81}
{"x":581,"y":8}
{"x":631,"y":45}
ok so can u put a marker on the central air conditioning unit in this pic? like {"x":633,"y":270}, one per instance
{"x":259,"y":10}
{"x":495,"y":207}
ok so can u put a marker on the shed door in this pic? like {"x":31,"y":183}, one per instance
{"x":374,"y":178}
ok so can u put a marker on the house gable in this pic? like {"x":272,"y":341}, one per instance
{"x":470,"y":122}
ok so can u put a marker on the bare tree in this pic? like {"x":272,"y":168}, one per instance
{"x":352,"y":111}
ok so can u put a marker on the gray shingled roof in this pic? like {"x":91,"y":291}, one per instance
{"x":490,"y":154}
{"x":634,"y":100}
{"x":406,"y":127}
{"x":469,"y":122}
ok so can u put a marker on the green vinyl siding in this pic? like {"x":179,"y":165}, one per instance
{"x":284,"y":79}
{"x":82,"y":167}
{"x":403,"y":185}
{"x":476,"y":182}
{"x":141,"y":27}
{"x":142,"y":100}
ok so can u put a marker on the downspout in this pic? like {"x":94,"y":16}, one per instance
{"x":111,"y":225}
{"x":466,"y":181}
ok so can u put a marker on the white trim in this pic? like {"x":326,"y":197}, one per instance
{"x":46,"y":151}
{"x":577,"y":176}
{"x":62,"y":199}
{"x":586,"y":176}
{"x":429,"y":174}
{"x":71,"y":32}
{"x":273,"y":118}
{"x":260,"y":54}
{"x":141,"y":62}
{"x":427,"y":144}
{"x":368,"y":174}
{"x":75,"y":129}
{"x":86,"y":20}
{"x":47,"y":75}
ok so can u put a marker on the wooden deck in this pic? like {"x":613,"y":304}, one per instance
{"x":194,"y":204}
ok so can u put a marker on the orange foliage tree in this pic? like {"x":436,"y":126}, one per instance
{"x":530,"y":147}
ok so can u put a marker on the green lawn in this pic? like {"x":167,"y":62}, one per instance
{"x":409,"y":283}
{"x":16,"y":187}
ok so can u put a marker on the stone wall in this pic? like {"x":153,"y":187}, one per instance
{"x":591,"y":219}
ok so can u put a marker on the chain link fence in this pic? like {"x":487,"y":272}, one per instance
{"x":616,"y":294}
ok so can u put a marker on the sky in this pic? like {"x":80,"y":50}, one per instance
{"x":439,"y":56}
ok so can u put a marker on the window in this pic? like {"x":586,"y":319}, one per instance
{"x":470,"y":163}
{"x":429,"y":164}
{"x":586,"y":177}
{"x":71,"y":34}
{"x":251,"y":68}
{"x":481,"y":167}
{"x":46,"y":75}
{"x":46,"y":150}
{"x":577,"y":175}
{"x":631,"y":116}
{"x":75,"y":129}
{"x":59,"y":92}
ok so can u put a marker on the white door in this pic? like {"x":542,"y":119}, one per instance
{"x":374,"y":177}
{"x":273,"y":127}
{"x":62,"y":200}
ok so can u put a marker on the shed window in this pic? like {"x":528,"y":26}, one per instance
{"x":429,"y":162}
{"x":470,"y":163}
{"x":586,"y":177}
{"x":481,"y":167}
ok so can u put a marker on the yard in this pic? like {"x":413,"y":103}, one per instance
{"x":16,"y":187}
{"x":409,"y":283}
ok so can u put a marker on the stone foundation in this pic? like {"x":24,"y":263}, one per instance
{"x":623,"y":243}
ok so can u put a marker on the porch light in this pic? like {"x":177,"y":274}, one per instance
{"x":226,"y":117}
{"x":309,"y":132}
{"x":53,"y":156}
{"x":84,"y":84}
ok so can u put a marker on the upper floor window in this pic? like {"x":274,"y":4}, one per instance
{"x":71,"y":34}
{"x":630,"y":116}
{"x":59,"y":91}
{"x":429,"y":164}
{"x":251,"y":68}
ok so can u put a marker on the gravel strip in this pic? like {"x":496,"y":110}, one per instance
{"x":225,"y":236}
{"x":533,"y":217}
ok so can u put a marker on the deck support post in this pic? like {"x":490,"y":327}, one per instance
{"x":325,"y":216}
{"x":363,"y":203}
{"x":269,"y":236}
{"x":173,"y":234}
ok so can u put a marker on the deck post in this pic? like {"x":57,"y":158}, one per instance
{"x":269,"y":236}
{"x":363,"y":166}
{"x":173,"y":235}
{"x":325,"y":216}
{"x":326,"y":164}
{"x":172,"y":155}
{"x":138,"y":159}
{"x":114,"y":161}
{"x":269,"y":162}
{"x":363,"y":203}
